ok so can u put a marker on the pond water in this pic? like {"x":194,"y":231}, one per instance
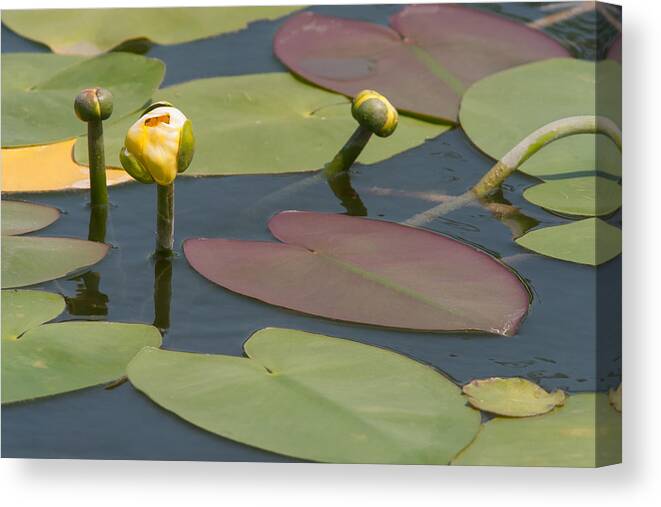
{"x":555,"y":346}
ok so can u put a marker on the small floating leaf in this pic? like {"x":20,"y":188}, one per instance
{"x":591,"y":241}
{"x":587,"y":196}
{"x":313,"y":397}
{"x":512,"y":397}
{"x":38,"y":91}
{"x":66,"y":356}
{"x":32,"y":260}
{"x":500,"y":110}
{"x":422,"y":64}
{"x":23,"y":310}
{"x":49,"y":167}
{"x":260,"y":123}
{"x":22,"y":217}
{"x":615,"y":398}
{"x":92,"y":31}
{"x":585,"y":432}
{"x":398,"y":276}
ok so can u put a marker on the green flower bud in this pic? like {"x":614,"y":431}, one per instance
{"x":159,"y":145}
{"x":374,"y":112}
{"x":93,"y":104}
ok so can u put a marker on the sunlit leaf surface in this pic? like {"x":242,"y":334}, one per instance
{"x":32,"y":260}
{"x":367,"y":271}
{"x":22,"y":217}
{"x":585,"y":432}
{"x":49,"y":167}
{"x":500,"y":110}
{"x":422,"y":64}
{"x":591,"y":241}
{"x":313,"y":397}
{"x":266,"y":123}
{"x":38,"y":90}
{"x":92,"y":31}
{"x":23,"y":310}
{"x":586,"y":196}
{"x":66,"y":356}
{"x":512,"y":397}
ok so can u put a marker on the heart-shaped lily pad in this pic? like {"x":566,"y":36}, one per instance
{"x":92,"y":31}
{"x":43,"y":360}
{"x":267,"y":123}
{"x":48,"y":167}
{"x":586,"y":196}
{"x":32,"y":260}
{"x":313,"y":397}
{"x":585,"y":432}
{"x":23,"y":310}
{"x":422,"y":64}
{"x":512,"y":397}
{"x":615,"y":398}
{"x":21,"y":217}
{"x":500,"y":110}
{"x":38,"y":90}
{"x":591,"y":241}
{"x":398,"y":276}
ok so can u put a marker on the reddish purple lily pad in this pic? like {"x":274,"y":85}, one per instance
{"x":367,"y":271}
{"x":422,"y":64}
{"x":615,"y":51}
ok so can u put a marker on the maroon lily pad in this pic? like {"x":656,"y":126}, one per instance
{"x":615,"y":51}
{"x":367,"y":271}
{"x":422,"y":64}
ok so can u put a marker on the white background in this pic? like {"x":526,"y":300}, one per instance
{"x":636,"y":482}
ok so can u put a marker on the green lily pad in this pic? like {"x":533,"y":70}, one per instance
{"x":32,"y":260}
{"x":591,"y":241}
{"x":585,"y":432}
{"x":615,"y":398}
{"x":512,"y":397}
{"x":93,"y":31}
{"x":38,"y":92}
{"x":22,"y":217}
{"x":500,"y":110}
{"x":313,"y":397}
{"x":23,"y":310}
{"x":586,"y":196}
{"x":66,"y":356}
{"x":266,"y":123}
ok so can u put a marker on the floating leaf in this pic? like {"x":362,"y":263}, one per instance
{"x":398,"y":276}
{"x":591,"y":241}
{"x":21,"y":217}
{"x":23,"y":310}
{"x":587,"y":196}
{"x":48,"y":167}
{"x":615,"y":51}
{"x":266,"y":123}
{"x":500,"y":110}
{"x":32,"y":260}
{"x":615,"y":398}
{"x":66,"y":356}
{"x":92,"y":31}
{"x":38,"y":91}
{"x":512,"y":397}
{"x":422,"y":64}
{"x":585,"y":432}
{"x":313,"y":397}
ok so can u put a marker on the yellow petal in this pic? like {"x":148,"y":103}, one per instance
{"x":48,"y":168}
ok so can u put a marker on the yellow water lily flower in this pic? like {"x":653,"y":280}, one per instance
{"x":159,"y":145}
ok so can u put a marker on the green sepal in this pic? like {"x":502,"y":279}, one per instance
{"x":133,"y":166}
{"x":186,"y":147}
{"x":160,"y":103}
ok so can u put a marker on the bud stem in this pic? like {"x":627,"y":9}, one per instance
{"x":165,"y":220}
{"x":162,"y":292}
{"x":348,"y":154}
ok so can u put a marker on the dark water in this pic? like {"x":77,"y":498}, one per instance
{"x":555,"y":346}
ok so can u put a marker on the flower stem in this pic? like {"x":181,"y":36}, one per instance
{"x":348,"y":154}
{"x":162,"y":293}
{"x":513,"y":159}
{"x":98,"y":185}
{"x":165,"y":220}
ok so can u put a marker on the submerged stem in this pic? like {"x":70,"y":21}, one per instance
{"x":165,"y":220}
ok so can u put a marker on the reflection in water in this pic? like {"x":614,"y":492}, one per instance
{"x":89,"y":300}
{"x":162,"y":292}
{"x":511,"y":216}
{"x":340,"y":184}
